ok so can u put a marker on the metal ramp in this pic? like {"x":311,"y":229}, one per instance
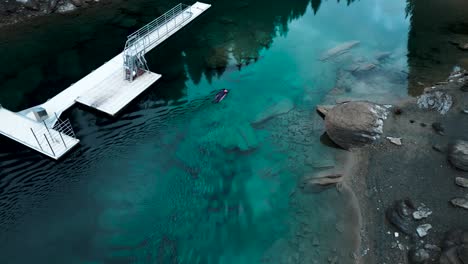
{"x":146,"y":38}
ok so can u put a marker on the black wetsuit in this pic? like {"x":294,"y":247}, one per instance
{"x":220,"y":96}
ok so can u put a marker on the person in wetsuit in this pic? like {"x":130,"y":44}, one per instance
{"x":220,"y":95}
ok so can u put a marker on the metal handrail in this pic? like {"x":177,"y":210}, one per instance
{"x":148,"y":28}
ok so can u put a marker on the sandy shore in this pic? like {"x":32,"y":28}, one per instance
{"x":382,"y":173}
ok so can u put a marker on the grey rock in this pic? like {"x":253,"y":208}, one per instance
{"x":460,"y":181}
{"x":458,"y":154}
{"x":421,"y":212}
{"x":463,"y":46}
{"x":418,"y":256}
{"x":423,"y":230}
{"x":395,"y":140}
{"x":323,"y":110}
{"x":400,"y":216}
{"x":435,"y":100}
{"x":355,"y":124}
{"x":461,"y":202}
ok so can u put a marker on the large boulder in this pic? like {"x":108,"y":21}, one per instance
{"x":458,"y":154}
{"x":354,"y":124}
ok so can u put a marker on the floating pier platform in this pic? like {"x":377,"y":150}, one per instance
{"x":108,"y":89}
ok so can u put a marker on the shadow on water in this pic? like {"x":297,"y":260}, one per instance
{"x":41,"y":59}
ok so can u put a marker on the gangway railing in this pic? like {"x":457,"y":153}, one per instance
{"x":138,"y":42}
{"x":54,"y":140}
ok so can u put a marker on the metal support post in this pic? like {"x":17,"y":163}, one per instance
{"x":36,"y":139}
{"x":49,"y":145}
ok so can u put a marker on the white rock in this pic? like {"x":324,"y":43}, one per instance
{"x":422,"y":212}
{"x":397,"y":234}
{"x":423,"y":229}
{"x":396,"y":141}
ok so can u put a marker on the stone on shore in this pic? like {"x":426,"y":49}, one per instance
{"x":355,"y":124}
{"x":461,"y":202}
{"x":399,"y":215}
{"x":423,"y":230}
{"x":421,"y":212}
{"x":435,"y":100}
{"x":458,"y":154}
{"x":460,"y":181}
{"x":394,"y":140}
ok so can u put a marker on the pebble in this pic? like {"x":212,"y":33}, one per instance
{"x":396,"y":141}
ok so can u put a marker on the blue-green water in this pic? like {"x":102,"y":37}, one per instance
{"x":175,"y":178}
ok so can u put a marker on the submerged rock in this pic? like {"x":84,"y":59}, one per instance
{"x":355,"y":124}
{"x":339,"y":50}
{"x":319,"y":183}
{"x":435,"y":100}
{"x":278,"y":108}
{"x":458,"y":154}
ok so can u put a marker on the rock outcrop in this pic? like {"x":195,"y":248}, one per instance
{"x":354,"y":124}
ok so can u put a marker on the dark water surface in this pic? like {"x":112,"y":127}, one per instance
{"x":175,"y":178}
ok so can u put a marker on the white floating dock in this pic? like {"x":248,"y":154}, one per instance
{"x":105,"y":89}
{"x":34,"y":134}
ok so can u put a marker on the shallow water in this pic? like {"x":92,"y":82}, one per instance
{"x":175,"y":178}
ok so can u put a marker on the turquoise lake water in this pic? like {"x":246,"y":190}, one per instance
{"x":176,"y":178}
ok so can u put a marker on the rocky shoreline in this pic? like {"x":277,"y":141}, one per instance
{"x":15,"y":11}
{"x":407,"y":167}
